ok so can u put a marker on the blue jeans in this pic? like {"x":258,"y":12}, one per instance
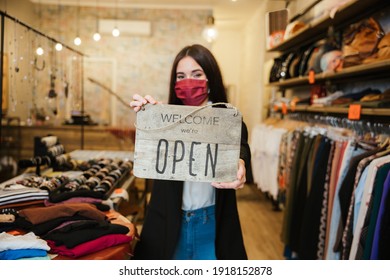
{"x":197,"y":235}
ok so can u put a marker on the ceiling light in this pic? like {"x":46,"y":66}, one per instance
{"x":210,"y":32}
{"x":58,"y":45}
{"x":97,"y":36}
{"x":115,"y":32}
{"x":77,"y":41}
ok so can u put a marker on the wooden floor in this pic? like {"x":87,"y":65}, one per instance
{"x":261,"y":225}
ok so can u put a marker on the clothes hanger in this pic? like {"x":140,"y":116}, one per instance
{"x":384,"y":142}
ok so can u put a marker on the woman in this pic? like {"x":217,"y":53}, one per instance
{"x":194,"y":220}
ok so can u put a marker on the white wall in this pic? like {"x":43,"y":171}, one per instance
{"x":241,"y":53}
{"x":227,"y":50}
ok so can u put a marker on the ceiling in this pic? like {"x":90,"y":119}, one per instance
{"x":224,"y":10}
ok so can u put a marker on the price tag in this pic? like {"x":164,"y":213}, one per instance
{"x":293,"y":104}
{"x":312,"y":78}
{"x":354,"y":111}
{"x":284,"y":108}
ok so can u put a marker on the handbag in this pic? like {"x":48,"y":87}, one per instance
{"x":276,"y":69}
{"x":360,"y":41}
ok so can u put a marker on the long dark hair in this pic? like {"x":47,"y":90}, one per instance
{"x":210,"y":67}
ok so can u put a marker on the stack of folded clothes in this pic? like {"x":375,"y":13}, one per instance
{"x":12,"y":194}
{"x":76,"y":229}
{"x":22,"y":246}
{"x":68,"y":229}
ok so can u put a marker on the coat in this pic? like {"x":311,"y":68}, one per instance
{"x":161,"y":228}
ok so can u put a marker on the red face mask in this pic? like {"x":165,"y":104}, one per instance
{"x":191,"y":91}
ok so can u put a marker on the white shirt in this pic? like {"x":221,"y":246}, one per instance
{"x":265,"y":151}
{"x":197,"y":195}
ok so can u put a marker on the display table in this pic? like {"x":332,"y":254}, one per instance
{"x":118,"y":252}
{"x":112,"y":249}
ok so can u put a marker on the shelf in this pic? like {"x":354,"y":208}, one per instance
{"x":317,"y":29}
{"x":342,"y":110}
{"x":375,"y":69}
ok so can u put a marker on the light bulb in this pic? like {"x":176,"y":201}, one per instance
{"x":58,"y":47}
{"x":210,"y":32}
{"x":39,"y":51}
{"x":115,"y":32}
{"x":77,"y":41}
{"x":97,"y":36}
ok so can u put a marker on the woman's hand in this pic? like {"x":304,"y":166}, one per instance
{"x":139,"y":101}
{"x":238,"y":183}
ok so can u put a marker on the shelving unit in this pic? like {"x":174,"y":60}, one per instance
{"x":319,"y":27}
{"x":340,"y":110}
{"x":376,"y":70}
{"x":351,"y":12}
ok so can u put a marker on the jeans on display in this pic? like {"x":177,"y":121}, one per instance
{"x":197,"y":235}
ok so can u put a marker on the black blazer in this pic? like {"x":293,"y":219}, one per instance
{"x":161,"y":228}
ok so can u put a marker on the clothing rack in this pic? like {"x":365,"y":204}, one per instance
{"x":361,"y":127}
{"x":311,"y":165}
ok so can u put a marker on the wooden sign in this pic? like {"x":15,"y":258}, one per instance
{"x":187,"y":143}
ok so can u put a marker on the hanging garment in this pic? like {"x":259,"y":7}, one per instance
{"x":324,"y":205}
{"x":265,"y":149}
{"x":334,"y":175}
{"x":296,"y":151}
{"x":362,"y":224}
{"x":377,"y":196}
{"x":381,"y":242}
{"x":347,"y":232}
{"x":300,"y":194}
{"x":351,"y":151}
{"x":310,"y":229}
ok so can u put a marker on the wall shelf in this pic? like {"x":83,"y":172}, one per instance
{"x":318,"y":28}
{"x":378,"y":69}
{"x":342,"y":110}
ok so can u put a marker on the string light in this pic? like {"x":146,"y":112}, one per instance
{"x":77,"y":40}
{"x":58,"y":47}
{"x":39,"y":51}
{"x":96,"y":36}
{"x":115,"y":31}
